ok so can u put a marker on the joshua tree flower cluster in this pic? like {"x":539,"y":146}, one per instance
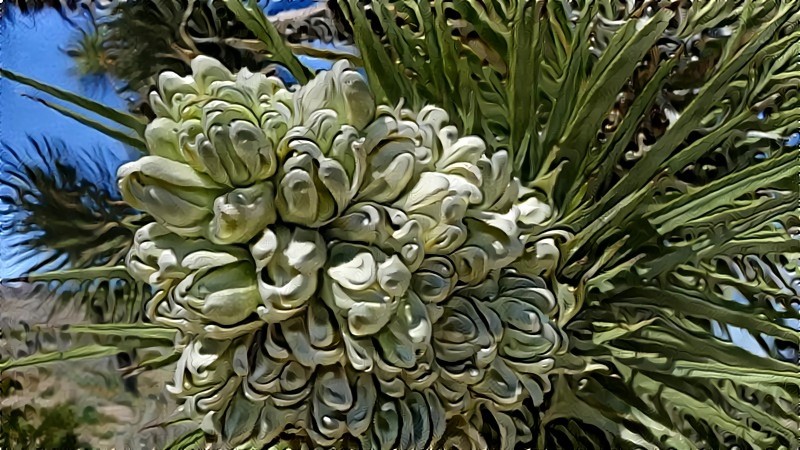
{"x":339,"y":271}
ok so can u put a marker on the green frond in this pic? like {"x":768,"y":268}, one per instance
{"x":121,"y":118}
{"x":153,"y":363}
{"x":658,"y":135}
{"x":60,"y":219}
{"x":254,"y":19}
{"x":107,"y":298}
{"x":121,"y":136}
{"x":410,"y":52}
{"x":144,"y":38}
{"x":135,"y":331}
{"x":78,"y":353}
{"x":108,"y":294}
{"x":105,"y":340}
{"x":84,"y":274}
{"x":195,"y":440}
{"x":62,"y":203}
{"x":685,"y":381}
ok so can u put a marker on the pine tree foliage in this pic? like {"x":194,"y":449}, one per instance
{"x":63,"y":212}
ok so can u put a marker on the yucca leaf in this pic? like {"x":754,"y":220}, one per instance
{"x":660,"y":353}
{"x":698,"y":204}
{"x":88,"y":273}
{"x":707,"y":143}
{"x":387,"y":83}
{"x":692,"y":115}
{"x":724,"y":242}
{"x":748,"y":288}
{"x":194,"y":440}
{"x":136,"y":124}
{"x":569,"y":85}
{"x":524,"y":68}
{"x":779,"y":244}
{"x":253,"y":17}
{"x":411,"y":51}
{"x":724,"y":191}
{"x":435,"y":47}
{"x":108,"y":293}
{"x":694,"y":305}
{"x":79,"y":353}
{"x":669,"y":339}
{"x":134,"y":330}
{"x":711,"y":413}
{"x":600,"y":163}
{"x":608,"y":76}
{"x":610,"y":414}
{"x":610,"y":331}
{"x":397,"y":40}
{"x":115,"y":134}
{"x":63,"y":205}
{"x":153,"y":363}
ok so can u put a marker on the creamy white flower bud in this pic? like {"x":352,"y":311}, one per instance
{"x":339,"y":269}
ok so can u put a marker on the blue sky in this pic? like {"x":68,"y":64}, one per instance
{"x":276,"y":6}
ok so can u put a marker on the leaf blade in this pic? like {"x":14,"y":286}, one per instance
{"x":127,"y":120}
